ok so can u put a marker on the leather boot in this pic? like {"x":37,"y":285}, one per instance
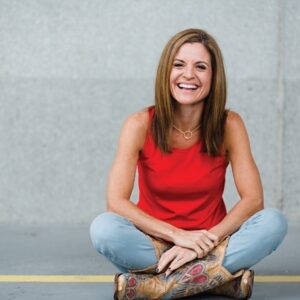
{"x":238,"y":288}
{"x":195,"y":277}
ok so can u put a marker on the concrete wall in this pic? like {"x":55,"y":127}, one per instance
{"x":71,"y":71}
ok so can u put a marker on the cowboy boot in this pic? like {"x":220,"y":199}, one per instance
{"x":238,"y":288}
{"x":193,"y":278}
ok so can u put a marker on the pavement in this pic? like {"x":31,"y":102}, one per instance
{"x":58,"y":262}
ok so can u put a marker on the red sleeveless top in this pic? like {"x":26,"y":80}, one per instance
{"x":183,"y":188}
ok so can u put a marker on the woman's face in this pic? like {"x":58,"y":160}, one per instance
{"x":191,"y":74}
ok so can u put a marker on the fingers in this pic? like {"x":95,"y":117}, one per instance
{"x":200,"y":252}
{"x":200,"y":241}
{"x":208,"y":236}
{"x":203,"y":245}
{"x":183,"y":256}
{"x":212,"y":237}
{"x":165,"y":259}
{"x":175,"y":258}
{"x":176,"y":263}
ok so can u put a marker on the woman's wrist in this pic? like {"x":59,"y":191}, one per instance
{"x":218,"y":233}
{"x":171,"y":234}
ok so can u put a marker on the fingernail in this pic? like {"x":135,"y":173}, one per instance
{"x":157,"y":270}
{"x":168,"y":272}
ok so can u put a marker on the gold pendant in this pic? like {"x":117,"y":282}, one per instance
{"x":187,"y":135}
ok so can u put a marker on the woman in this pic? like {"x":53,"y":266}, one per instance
{"x":178,"y":240}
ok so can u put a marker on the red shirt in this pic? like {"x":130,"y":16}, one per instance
{"x":183,"y":188}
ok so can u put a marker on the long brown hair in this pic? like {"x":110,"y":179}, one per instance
{"x":214,"y":113}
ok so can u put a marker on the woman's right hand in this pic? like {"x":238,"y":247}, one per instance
{"x":201,"y":241}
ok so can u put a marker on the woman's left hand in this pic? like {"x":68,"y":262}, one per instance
{"x":174,"y":258}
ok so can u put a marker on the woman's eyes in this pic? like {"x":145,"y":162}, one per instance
{"x":199,"y":67}
{"x":177,"y":65}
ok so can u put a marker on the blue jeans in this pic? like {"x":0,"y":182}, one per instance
{"x":129,"y":248}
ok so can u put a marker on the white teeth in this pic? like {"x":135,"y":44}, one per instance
{"x":187,"y":86}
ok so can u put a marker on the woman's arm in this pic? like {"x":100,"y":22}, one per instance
{"x":246,"y":177}
{"x":122,"y":174}
{"x":120,"y":185}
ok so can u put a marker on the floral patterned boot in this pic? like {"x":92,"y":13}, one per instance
{"x":238,"y":288}
{"x":195,"y":277}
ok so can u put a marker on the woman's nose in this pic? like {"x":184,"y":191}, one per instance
{"x":188,"y":72}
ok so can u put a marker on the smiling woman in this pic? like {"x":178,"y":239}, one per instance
{"x":179,"y":240}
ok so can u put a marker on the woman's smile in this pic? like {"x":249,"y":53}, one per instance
{"x":187,"y":86}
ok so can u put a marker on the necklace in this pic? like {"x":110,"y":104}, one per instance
{"x":189,"y":133}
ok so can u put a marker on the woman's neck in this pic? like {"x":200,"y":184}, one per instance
{"x":187,"y":117}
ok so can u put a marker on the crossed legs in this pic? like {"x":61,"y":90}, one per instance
{"x":129,"y":248}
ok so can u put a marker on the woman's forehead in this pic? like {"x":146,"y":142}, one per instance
{"x":193,"y":51}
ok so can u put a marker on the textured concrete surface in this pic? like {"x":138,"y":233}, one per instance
{"x":66,"y":250}
{"x":291,"y":104}
{"x":71,"y":71}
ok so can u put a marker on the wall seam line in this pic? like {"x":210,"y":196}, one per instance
{"x":280,"y":108}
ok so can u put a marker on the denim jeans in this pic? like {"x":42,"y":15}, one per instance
{"x":129,"y":248}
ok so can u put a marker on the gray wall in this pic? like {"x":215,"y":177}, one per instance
{"x":71,"y":71}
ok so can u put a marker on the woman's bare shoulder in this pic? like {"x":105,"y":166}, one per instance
{"x":233,"y":119}
{"x":139,"y":119}
{"x":135,"y":127}
{"x":235,"y":130}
